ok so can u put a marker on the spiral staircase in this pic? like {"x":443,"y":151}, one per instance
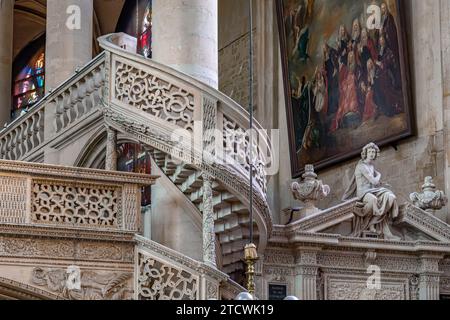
{"x":191,"y":129}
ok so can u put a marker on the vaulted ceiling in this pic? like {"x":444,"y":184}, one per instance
{"x":30,"y":20}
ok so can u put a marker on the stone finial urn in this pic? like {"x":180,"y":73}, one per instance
{"x":429,"y":199}
{"x":309,"y":190}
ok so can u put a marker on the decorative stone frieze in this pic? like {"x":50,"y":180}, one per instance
{"x":90,"y":285}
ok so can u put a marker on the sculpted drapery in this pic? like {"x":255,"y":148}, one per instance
{"x":380,"y":203}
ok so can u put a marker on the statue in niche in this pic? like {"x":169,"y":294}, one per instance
{"x":378,"y":204}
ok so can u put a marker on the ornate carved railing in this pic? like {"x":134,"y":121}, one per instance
{"x":180,"y":116}
{"x":43,"y":195}
{"x":164,"y":274}
{"x":24,"y":135}
{"x":70,"y":102}
{"x":205,"y":118}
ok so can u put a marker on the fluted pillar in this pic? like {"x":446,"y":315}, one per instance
{"x":306,"y":275}
{"x":111,"y":150}
{"x":6,"y":60}
{"x":429,"y":277}
{"x":185,"y":37}
{"x":209,"y":235}
{"x":69,"y":38}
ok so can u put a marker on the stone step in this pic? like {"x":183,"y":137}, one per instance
{"x":182,"y":172}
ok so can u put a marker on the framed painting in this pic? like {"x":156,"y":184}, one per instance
{"x":346,"y":77}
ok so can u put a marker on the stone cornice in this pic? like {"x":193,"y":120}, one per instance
{"x":322,"y":220}
{"x":93,"y":175}
{"x":65,"y":232}
{"x":298,"y":238}
{"x":424,"y":222}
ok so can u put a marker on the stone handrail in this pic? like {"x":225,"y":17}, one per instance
{"x":60,"y":108}
{"x":164,"y":274}
{"x":188,"y":120}
{"x":205,"y":118}
{"x":45,"y":195}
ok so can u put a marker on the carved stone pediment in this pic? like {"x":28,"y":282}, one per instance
{"x":413,"y":223}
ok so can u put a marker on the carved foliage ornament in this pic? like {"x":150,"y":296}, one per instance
{"x":91,"y":285}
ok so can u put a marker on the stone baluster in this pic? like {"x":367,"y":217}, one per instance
{"x":111,"y":149}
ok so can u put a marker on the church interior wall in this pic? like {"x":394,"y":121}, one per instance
{"x":416,"y":157}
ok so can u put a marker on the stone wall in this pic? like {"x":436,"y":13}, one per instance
{"x":417,"y":157}
{"x":234,"y":51}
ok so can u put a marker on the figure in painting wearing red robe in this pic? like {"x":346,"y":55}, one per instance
{"x":348,"y":92}
{"x":370,"y":108}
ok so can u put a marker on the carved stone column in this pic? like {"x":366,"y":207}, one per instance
{"x":306,"y":274}
{"x":185,"y":37}
{"x":429,"y":278}
{"x":6,"y":58}
{"x":69,"y":38}
{"x":111,"y":149}
{"x":209,"y":235}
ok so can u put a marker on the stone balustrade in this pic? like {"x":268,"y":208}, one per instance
{"x":44,"y":195}
{"x":203,"y":117}
{"x":24,"y":135}
{"x":63,"y":107}
{"x":164,"y":274}
{"x":80,"y":96}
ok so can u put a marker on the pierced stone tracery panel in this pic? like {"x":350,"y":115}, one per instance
{"x":159,"y":281}
{"x":65,"y":203}
{"x":236,"y":146}
{"x":147,"y":92}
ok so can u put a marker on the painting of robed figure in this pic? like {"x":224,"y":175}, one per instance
{"x":346,"y":75}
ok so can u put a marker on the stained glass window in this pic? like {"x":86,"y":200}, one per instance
{"x":136,"y":20}
{"x":29,"y":84}
{"x":145,"y":36}
{"x":134,"y":158}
